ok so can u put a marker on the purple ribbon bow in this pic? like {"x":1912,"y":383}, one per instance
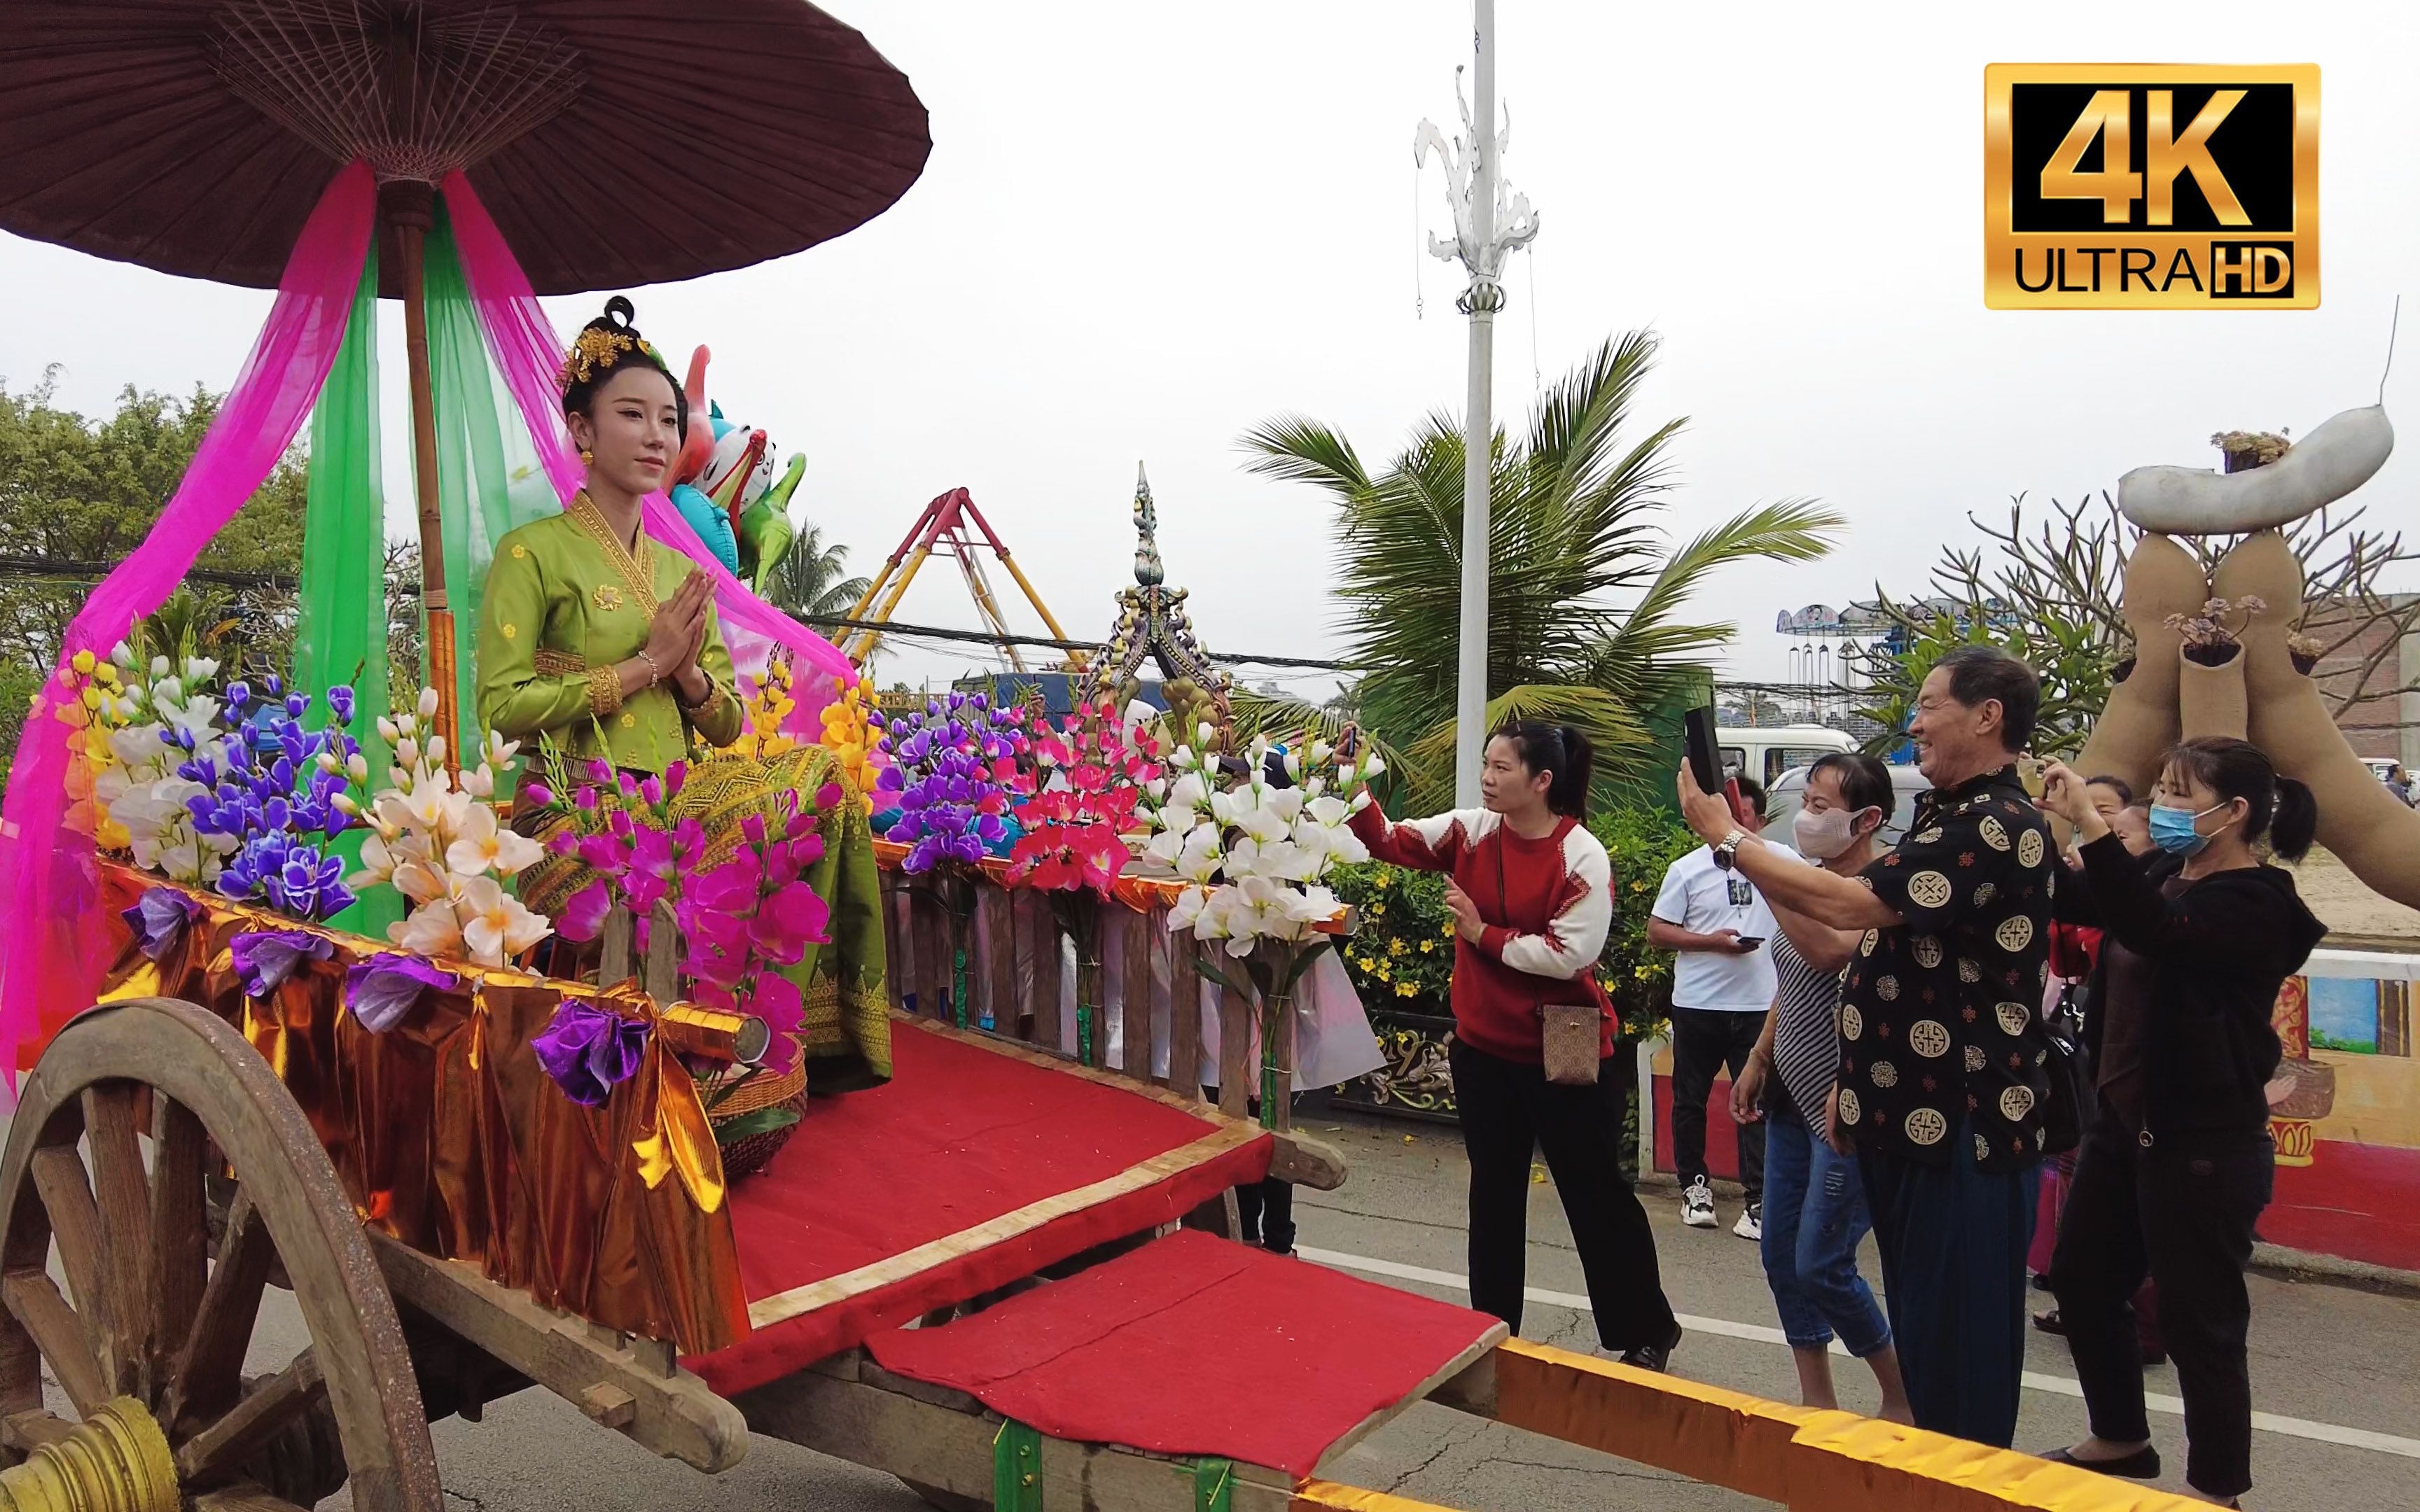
{"x":160,"y":918}
{"x":589,"y":1050}
{"x":382,"y":989}
{"x":265,"y":958}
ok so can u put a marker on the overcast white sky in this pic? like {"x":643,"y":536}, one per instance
{"x":1145,"y":228}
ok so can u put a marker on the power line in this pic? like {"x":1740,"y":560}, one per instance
{"x":92,"y":572}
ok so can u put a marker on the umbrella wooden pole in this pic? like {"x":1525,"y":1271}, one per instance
{"x":409,"y":207}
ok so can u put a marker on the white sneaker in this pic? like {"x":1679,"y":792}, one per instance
{"x":1697,"y":1205}
{"x":1751,"y":1224}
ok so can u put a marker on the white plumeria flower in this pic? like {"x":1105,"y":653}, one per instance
{"x":377,"y":864}
{"x":431,"y":931}
{"x":427,"y":704}
{"x":1165,"y":846}
{"x":436,"y":751}
{"x":200,"y":669}
{"x":494,"y":923}
{"x":480,"y":783}
{"x":500,"y":751}
{"x":407,"y":753}
{"x":1188,"y":793}
{"x":422,"y":883}
{"x":357,"y":766}
{"x":389,"y":731}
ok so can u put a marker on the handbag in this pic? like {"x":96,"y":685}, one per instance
{"x":2073,"y":1100}
{"x":1569,"y":1034}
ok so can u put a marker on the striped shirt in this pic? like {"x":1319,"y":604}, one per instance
{"x":1806,"y":1032}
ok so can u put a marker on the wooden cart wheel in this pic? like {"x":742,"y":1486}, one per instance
{"x":162,"y":1316}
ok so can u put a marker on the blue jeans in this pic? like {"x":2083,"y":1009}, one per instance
{"x":1814,"y":1217}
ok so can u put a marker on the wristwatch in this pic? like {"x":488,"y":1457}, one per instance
{"x":1726,"y":854}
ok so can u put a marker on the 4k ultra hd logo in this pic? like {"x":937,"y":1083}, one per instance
{"x":2150,"y":187}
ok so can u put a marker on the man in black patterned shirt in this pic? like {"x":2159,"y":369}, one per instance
{"x":1944,"y":1072}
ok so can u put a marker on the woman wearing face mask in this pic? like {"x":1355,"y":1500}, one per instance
{"x":1814,"y":1201}
{"x":2177,"y":1164}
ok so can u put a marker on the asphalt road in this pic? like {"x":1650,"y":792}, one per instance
{"x":2334,"y":1363}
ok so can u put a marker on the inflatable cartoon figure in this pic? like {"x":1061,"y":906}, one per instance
{"x":725,"y":485}
{"x":2257,"y":690}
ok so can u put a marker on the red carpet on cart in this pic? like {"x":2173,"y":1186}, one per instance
{"x":1195,"y":1345}
{"x":961,"y":1136}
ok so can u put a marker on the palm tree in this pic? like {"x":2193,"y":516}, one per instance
{"x":1585,"y":598}
{"x":809,"y":582}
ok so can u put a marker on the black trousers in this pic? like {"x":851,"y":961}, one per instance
{"x":1704,"y":1039}
{"x":2180,"y":1211}
{"x":1509,"y":1109}
{"x":1266,"y":1208}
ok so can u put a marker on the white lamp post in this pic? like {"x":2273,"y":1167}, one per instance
{"x":1485,"y":229}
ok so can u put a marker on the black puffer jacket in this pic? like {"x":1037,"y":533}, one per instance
{"x":2219,"y":951}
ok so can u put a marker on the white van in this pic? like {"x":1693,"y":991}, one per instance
{"x":1764,"y":752}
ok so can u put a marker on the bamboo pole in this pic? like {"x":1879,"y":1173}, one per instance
{"x":410,"y":209}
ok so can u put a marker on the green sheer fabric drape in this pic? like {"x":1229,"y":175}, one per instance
{"x":488,"y":476}
{"x":340,"y":634}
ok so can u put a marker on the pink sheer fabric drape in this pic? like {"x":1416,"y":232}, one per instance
{"x":48,"y":964}
{"x":528,"y":354}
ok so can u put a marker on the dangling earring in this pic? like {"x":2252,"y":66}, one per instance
{"x":587,"y":458}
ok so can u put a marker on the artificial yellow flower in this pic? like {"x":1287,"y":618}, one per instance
{"x":1404,"y":989}
{"x":1395,"y":946}
{"x":1426,"y":945}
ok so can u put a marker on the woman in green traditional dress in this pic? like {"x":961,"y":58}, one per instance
{"x":603,"y":645}
{"x":589,"y":635}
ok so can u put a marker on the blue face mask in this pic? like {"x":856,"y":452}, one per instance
{"x":2173,"y":831}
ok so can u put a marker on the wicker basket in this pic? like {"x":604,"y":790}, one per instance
{"x":750,"y":1153}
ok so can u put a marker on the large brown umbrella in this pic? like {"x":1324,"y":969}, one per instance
{"x":616,"y":142}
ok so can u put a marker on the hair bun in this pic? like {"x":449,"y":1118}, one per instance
{"x":620,"y":304}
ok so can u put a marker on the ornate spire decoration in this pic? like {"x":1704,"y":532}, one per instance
{"x":1479,"y":241}
{"x":1152,"y":622}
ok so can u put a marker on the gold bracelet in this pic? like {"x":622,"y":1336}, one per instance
{"x":655,"y":673}
{"x":712,"y":690}
{"x":604,"y":691}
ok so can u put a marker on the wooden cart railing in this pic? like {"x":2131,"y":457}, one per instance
{"x":1151,"y":1026}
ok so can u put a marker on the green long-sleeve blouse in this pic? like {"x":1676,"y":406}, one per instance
{"x":565,"y":602}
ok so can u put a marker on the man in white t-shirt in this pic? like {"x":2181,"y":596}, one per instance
{"x":1722,"y":984}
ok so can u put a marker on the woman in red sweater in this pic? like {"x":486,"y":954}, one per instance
{"x":1531,"y":893}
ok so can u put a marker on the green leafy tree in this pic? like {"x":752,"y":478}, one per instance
{"x":813,"y":579}
{"x":76,"y":495}
{"x":1587,"y":602}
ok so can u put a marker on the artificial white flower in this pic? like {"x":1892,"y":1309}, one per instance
{"x":427,"y":705}
{"x":377,"y":864}
{"x":431,"y":931}
{"x":494,"y":923}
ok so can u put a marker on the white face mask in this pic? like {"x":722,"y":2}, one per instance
{"x":1825,"y":835}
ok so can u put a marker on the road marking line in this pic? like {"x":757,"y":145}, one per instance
{"x":2295,"y":1427}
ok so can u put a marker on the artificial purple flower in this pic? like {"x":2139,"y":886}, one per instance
{"x":160,"y":918}
{"x":264,"y":959}
{"x":588,"y":799}
{"x":651,"y":791}
{"x":538,"y":795}
{"x":340,"y":703}
{"x":382,"y":989}
{"x":589,"y":1050}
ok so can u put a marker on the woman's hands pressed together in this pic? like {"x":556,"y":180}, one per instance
{"x":676,"y":639}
